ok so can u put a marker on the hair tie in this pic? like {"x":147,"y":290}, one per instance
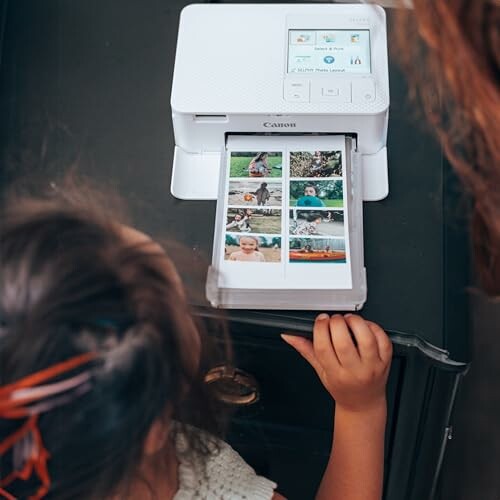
{"x":28,"y":398}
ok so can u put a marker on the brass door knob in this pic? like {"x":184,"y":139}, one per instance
{"x":232,"y":385}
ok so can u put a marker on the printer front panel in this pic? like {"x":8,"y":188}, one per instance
{"x":205,"y":133}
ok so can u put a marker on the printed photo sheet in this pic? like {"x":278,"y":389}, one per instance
{"x":286,"y":214}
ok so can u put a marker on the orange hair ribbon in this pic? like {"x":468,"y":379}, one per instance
{"x":14,"y":401}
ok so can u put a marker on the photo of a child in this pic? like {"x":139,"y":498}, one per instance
{"x":308,"y":224}
{"x":255,"y":193}
{"x":255,"y":164}
{"x":259,"y":167}
{"x":249,"y":248}
{"x":239,"y":222}
{"x":254,"y":220}
{"x":317,"y":250}
{"x":317,"y":222}
{"x":316,"y":164}
{"x":317,"y":194}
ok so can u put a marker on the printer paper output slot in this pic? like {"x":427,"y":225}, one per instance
{"x":228,"y":135}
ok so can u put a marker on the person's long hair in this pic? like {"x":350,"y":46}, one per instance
{"x":260,"y":157}
{"x":450,"y":50}
{"x":70,"y":284}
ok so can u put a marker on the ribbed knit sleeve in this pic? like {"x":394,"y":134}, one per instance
{"x":226,"y":477}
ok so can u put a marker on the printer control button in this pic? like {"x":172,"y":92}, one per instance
{"x":296,"y":90}
{"x":330,"y":91}
{"x":363,"y":90}
{"x":337,"y":92}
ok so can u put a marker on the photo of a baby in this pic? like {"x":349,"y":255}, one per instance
{"x":317,"y":250}
{"x":249,"y":248}
{"x":317,"y":194}
{"x":253,"y":220}
{"x":255,"y":164}
{"x":255,"y":193}
{"x":316,"y":222}
{"x":316,"y":164}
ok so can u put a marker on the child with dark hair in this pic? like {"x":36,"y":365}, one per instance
{"x":310,"y":198}
{"x":240,"y":223}
{"x":102,"y":365}
{"x":262,"y":194}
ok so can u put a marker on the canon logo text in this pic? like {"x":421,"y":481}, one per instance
{"x":279,"y":125}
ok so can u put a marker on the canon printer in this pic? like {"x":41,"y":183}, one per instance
{"x":278,"y":69}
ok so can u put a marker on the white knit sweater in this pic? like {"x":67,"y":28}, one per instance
{"x":227,"y":477}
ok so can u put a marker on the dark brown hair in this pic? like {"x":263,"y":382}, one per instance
{"x":450,"y":50}
{"x":70,"y":283}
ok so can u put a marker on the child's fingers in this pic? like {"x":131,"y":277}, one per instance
{"x":305,"y":348}
{"x":343,"y":344}
{"x":322,"y":341}
{"x":383,"y":341}
{"x":365,"y":338}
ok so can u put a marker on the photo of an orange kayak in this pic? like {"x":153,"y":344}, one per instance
{"x":316,"y":256}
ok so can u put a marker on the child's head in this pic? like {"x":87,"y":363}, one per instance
{"x":73,"y":283}
{"x":263,"y":185}
{"x":261,"y":156}
{"x":249,"y":244}
{"x":237,"y":217}
{"x":314,"y":218}
{"x":310,"y":190}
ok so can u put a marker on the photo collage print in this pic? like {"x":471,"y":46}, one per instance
{"x":289,"y":210}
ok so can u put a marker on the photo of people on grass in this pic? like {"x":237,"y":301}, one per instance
{"x":255,"y":193}
{"x":316,"y":222}
{"x":255,"y":164}
{"x":315,"y":194}
{"x":251,"y":248}
{"x":253,"y":220}
{"x":317,"y":250}
{"x":316,"y":164}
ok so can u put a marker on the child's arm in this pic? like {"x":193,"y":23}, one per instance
{"x":355,"y":374}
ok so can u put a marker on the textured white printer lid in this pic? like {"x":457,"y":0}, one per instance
{"x":231,"y":58}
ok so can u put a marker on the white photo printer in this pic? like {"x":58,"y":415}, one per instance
{"x":278,"y":69}
{"x":301,"y":83}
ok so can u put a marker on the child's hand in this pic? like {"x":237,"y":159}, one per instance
{"x":354,"y":372}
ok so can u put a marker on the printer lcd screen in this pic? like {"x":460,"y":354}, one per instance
{"x":328,"y":51}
